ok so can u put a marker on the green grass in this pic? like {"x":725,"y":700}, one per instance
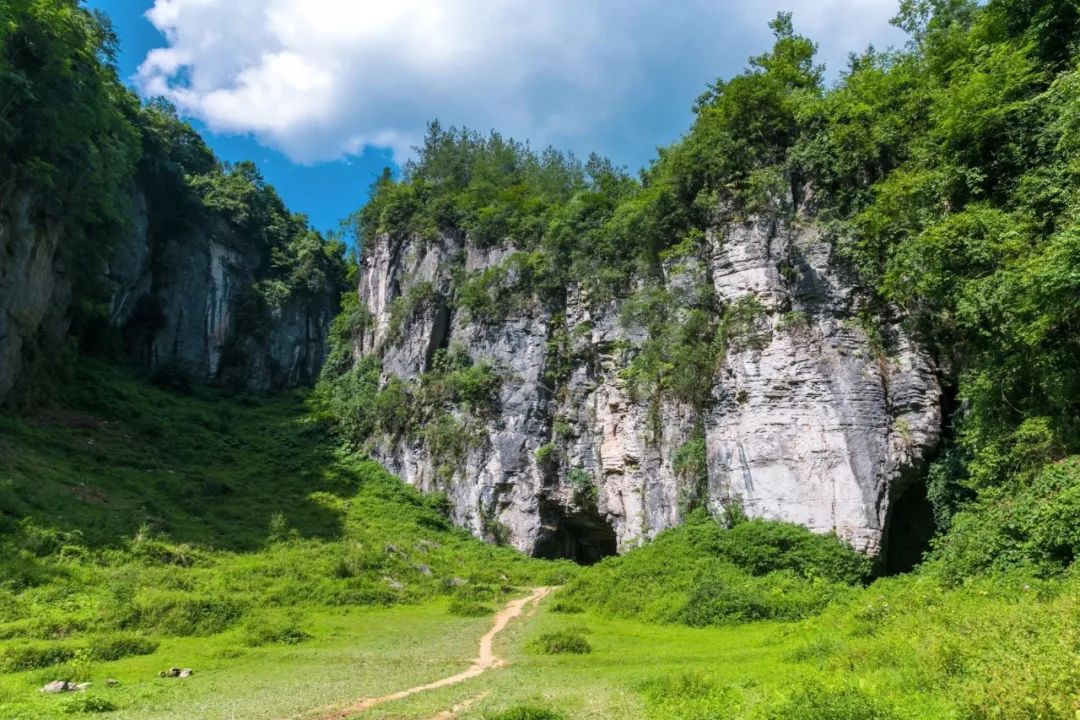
{"x":701,"y":574}
{"x":353,"y":654}
{"x":142,"y":530}
{"x":905,"y":648}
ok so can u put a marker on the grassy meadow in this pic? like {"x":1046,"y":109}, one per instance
{"x":145,"y":529}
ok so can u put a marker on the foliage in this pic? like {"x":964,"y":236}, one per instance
{"x":468,"y":608}
{"x":139,"y":514}
{"x":691,"y":465}
{"x":822,"y":703}
{"x":703,"y":574}
{"x":68,"y":135}
{"x":440,"y":406}
{"x":583,"y":485}
{"x":562,"y":642}
{"x":1031,"y":524}
{"x":79,"y":148}
{"x":526,"y":712}
{"x":89,"y":704}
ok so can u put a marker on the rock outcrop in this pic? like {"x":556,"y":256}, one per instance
{"x":178,"y":299}
{"x":185,"y":300}
{"x":34,"y":290}
{"x":817,"y":419}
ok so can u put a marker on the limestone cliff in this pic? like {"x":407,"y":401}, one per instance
{"x":178,"y":298}
{"x":812,"y":417}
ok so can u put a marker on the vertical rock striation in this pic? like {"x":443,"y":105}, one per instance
{"x":813,"y":417}
{"x":178,"y":299}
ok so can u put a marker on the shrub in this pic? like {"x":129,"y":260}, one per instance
{"x":269,"y":630}
{"x":173,"y":376}
{"x":88,"y":704}
{"x":526,"y":712}
{"x":1030,"y":526}
{"x":820,"y":703}
{"x":703,"y":574}
{"x":566,"y":608}
{"x":562,"y":642}
{"x":581,"y":482}
{"x":22,"y":657}
{"x":183,"y":615}
{"x":159,"y":552}
{"x":764,"y":546}
{"x":467,"y":608}
{"x":678,"y":687}
{"x":729,"y":597}
{"x":545,"y":456}
{"x":107,"y":648}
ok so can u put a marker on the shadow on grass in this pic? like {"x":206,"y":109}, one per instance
{"x":118,"y":455}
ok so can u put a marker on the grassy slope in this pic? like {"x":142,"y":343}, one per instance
{"x":132,"y":516}
{"x":151,"y":520}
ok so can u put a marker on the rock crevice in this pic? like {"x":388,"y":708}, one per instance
{"x":812,"y":418}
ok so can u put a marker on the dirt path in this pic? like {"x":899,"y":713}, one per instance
{"x":460,"y":707}
{"x":486,"y":660}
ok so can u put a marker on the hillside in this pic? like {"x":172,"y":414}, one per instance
{"x":849,"y":306}
{"x":134,"y":518}
{"x":785,"y":427}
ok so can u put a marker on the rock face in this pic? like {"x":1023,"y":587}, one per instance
{"x":181,"y":299}
{"x":34,"y":293}
{"x":817,"y":419}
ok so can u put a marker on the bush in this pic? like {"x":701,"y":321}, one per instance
{"x":20,"y":658}
{"x":526,"y":712}
{"x":182,"y":615}
{"x":269,"y":630}
{"x":1030,"y":526}
{"x":107,"y":648}
{"x":88,"y":704}
{"x":562,"y":642}
{"x":703,"y":574}
{"x":820,"y":703}
{"x":566,"y":608}
{"x":173,"y":376}
{"x":728,"y":597}
{"x":764,"y":546}
{"x":467,"y":608}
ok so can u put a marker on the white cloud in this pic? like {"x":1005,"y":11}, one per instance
{"x":319,"y":79}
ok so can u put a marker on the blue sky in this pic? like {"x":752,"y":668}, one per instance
{"x":322,"y":94}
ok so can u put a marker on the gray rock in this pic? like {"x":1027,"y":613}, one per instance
{"x":814,"y":423}
{"x":35,"y":286}
{"x":175,"y":298}
{"x":57,"y":686}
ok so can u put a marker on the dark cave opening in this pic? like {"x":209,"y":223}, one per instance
{"x":908,"y":531}
{"x":583,"y":536}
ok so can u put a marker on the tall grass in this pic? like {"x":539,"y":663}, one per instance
{"x":131,"y":513}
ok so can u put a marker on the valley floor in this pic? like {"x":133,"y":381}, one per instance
{"x":364,"y":653}
{"x":141,"y":529}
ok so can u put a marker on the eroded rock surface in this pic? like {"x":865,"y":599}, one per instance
{"x":817,"y":419}
{"x":177,"y":298}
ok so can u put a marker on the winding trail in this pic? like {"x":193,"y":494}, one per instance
{"x":486,"y":660}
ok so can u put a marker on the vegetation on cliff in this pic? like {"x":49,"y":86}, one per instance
{"x":140,"y":528}
{"x":76,"y":145}
{"x":944,"y":173}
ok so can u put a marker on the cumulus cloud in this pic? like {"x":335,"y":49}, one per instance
{"x":319,"y":79}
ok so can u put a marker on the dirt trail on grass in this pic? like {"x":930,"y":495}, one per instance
{"x":460,"y":707}
{"x":486,"y":660}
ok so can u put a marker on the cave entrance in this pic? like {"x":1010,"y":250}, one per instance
{"x":908,"y":530}
{"x":583,"y":536}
